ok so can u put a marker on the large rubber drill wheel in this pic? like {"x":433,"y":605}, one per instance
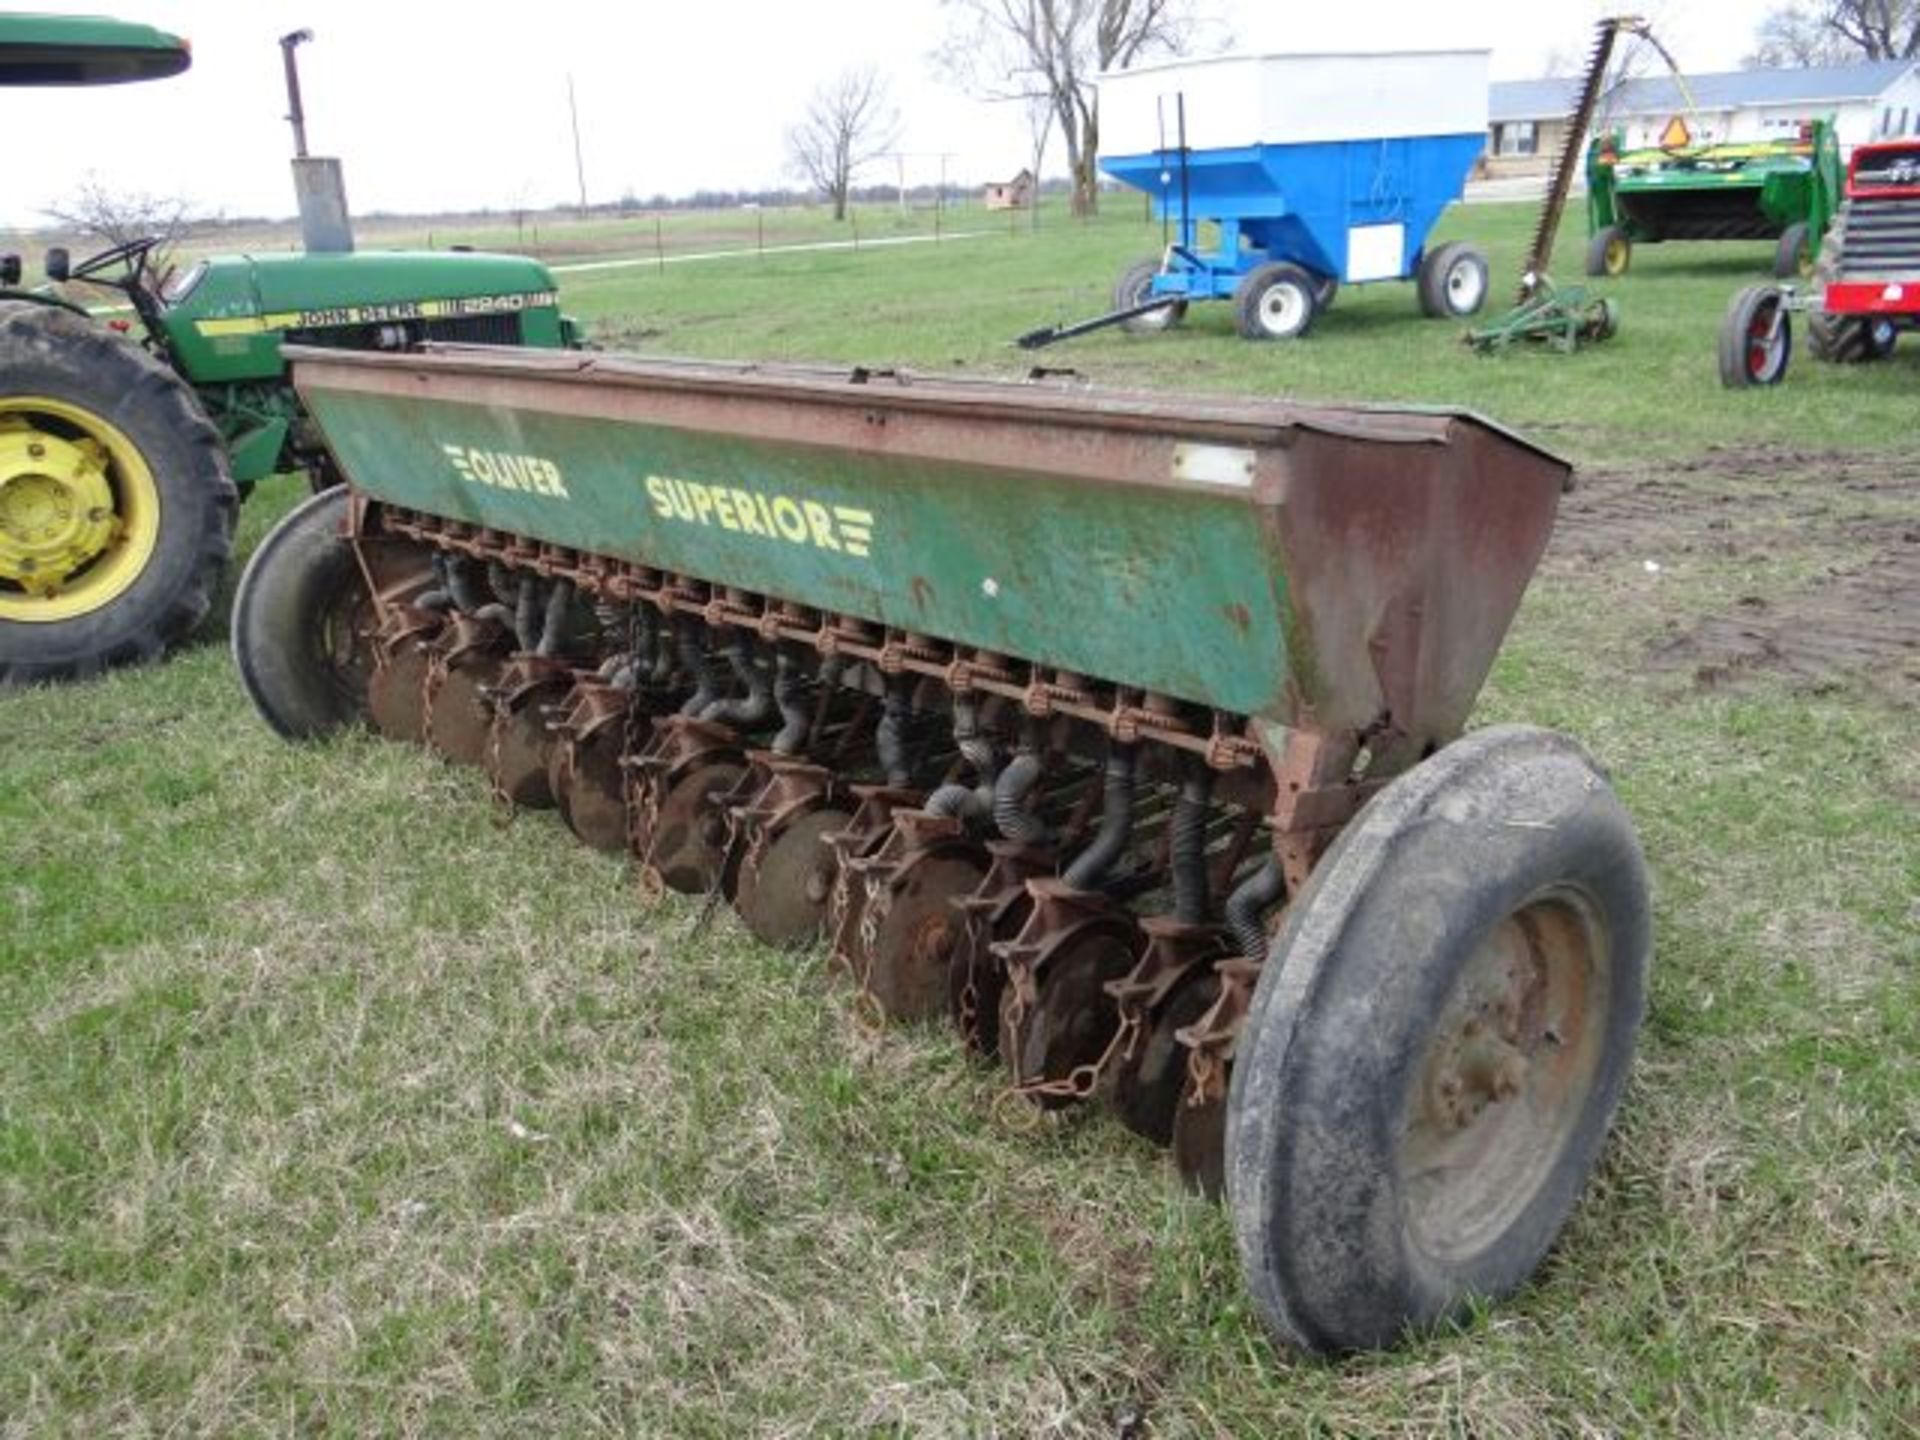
{"x":1453,"y":281}
{"x":53,"y":355}
{"x":297,"y":619}
{"x":1609,"y":252}
{"x":1274,"y":302}
{"x":1753,"y":351}
{"x":1134,"y":288}
{"x":1500,"y":872}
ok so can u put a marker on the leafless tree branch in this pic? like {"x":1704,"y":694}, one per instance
{"x":1054,"y":50}
{"x":849,"y":122}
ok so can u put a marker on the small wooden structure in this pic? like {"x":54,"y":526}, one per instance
{"x":1014,"y":194}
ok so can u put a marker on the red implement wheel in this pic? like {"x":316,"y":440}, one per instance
{"x":1756,"y":338}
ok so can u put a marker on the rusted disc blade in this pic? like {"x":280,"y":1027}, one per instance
{"x":1199,"y":1143}
{"x":592,"y":795}
{"x":689,"y":841}
{"x":458,"y":716}
{"x":519,"y":753}
{"x":1073,"y":1018}
{"x":395,"y":700}
{"x":1146,"y":1089}
{"x":782,"y":897}
{"x":976,"y":981}
{"x":913,"y":942}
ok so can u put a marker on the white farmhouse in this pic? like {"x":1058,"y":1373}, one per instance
{"x":1869,"y":101}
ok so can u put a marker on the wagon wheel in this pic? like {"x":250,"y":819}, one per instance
{"x":1133,"y":288}
{"x":1453,"y":281}
{"x":1414,"y":1110}
{"x":1756,"y":338}
{"x":1274,"y":302}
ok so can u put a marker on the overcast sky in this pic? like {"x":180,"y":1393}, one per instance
{"x":436,"y":105}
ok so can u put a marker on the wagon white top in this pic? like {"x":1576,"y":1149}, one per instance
{"x":1236,"y":100}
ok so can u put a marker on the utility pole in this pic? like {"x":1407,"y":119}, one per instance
{"x":579,"y":164}
{"x":900,"y":186}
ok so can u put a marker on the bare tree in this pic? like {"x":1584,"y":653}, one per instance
{"x":119,"y":218}
{"x":1054,"y":50}
{"x":1836,"y":32}
{"x":848,"y":123}
{"x":1039,"y":132}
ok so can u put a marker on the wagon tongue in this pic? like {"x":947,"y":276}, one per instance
{"x":1047,"y":335}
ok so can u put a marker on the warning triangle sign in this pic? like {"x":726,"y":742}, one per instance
{"x":1675,"y":135}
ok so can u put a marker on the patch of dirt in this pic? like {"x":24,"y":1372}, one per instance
{"x":1856,"y":618}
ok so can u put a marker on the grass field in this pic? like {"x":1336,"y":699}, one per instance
{"x":331,"y":1101}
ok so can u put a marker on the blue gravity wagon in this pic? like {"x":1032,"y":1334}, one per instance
{"x":1315,"y":171}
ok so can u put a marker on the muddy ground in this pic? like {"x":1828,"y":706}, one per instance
{"x":1804,"y":566}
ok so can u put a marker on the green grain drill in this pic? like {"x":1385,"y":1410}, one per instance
{"x":1121,"y":732}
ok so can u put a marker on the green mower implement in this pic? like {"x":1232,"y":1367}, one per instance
{"x":1779,"y":190}
{"x":125,"y":446}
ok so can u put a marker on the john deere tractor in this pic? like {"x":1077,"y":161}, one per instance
{"x":126,"y":444}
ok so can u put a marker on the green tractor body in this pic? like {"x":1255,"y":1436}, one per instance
{"x":46,"y":50}
{"x":1780,"y":190}
{"x":122,"y":455}
{"x":224,"y":321}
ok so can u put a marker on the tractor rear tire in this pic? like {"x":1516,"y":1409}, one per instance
{"x":1453,"y":282}
{"x":1752,"y":352}
{"x":147,"y":572}
{"x":1437,"y":1043}
{"x":1793,"y":257}
{"x":1132,"y":289}
{"x":1850,"y":339}
{"x":302,"y":619}
{"x":1609,"y":252}
{"x":1274,"y":302}
{"x":1844,"y":339}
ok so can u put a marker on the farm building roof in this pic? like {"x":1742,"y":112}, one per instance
{"x":1723,"y":90}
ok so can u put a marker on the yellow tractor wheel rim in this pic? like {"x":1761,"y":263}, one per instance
{"x":1616,"y":256}
{"x":79,"y":510}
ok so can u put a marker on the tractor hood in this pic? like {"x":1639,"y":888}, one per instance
{"x":85,"y":50}
{"x":227,"y":315}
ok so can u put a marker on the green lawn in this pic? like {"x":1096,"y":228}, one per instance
{"x":333,"y":1101}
